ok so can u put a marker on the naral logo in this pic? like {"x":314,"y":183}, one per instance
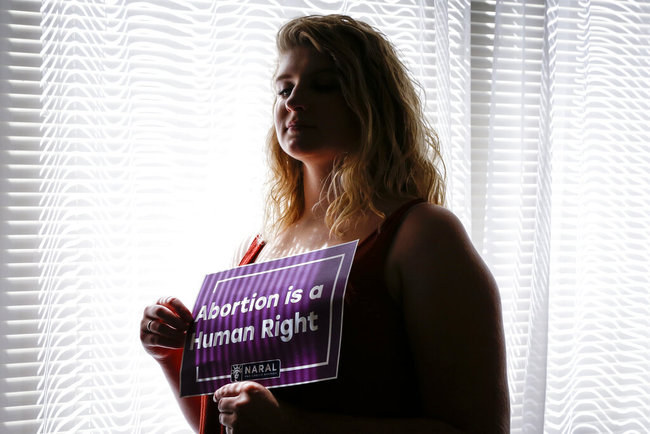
{"x":255,"y":370}
{"x":235,"y":372}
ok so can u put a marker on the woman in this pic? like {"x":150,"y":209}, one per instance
{"x":352,"y":157}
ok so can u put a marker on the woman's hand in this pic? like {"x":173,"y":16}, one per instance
{"x":163,"y":327}
{"x":248,"y":407}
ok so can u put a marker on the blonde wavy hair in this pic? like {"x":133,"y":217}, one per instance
{"x":398,"y":152}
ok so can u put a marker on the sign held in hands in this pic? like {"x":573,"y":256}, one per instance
{"x":277,"y":322}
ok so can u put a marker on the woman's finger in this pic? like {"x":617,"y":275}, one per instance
{"x":227,"y":390}
{"x":227,"y":420}
{"x":165,"y":315}
{"x":226,"y":398}
{"x":227,"y":405}
{"x":153,"y":333}
{"x":177,"y":307}
{"x":155,"y":327}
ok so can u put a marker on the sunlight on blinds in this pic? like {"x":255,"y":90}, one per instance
{"x":144,"y":173}
{"x":599,"y":303}
{"x":154,"y":117}
{"x":511,"y":190}
{"x":561,"y":91}
{"x":20,"y":134}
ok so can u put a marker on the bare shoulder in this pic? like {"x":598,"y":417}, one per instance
{"x":430,"y":217}
{"x":432,"y":244}
{"x":432,"y":229}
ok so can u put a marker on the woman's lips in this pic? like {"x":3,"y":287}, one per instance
{"x":298,"y":126}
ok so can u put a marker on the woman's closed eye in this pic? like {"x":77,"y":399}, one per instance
{"x":285,"y":92}
{"x":317,"y":86}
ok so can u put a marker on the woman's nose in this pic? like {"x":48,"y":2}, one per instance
{"x":296,"y":101}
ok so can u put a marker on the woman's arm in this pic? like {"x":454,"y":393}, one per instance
{"x":453,"y":319}
{"x":162,"y":333}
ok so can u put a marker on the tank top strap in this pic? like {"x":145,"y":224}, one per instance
{"x":253,"y":250}
{"x":373,"y":250}
{"x":392,"y":223}
{"x":394,"y":220}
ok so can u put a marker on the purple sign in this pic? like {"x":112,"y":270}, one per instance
{"x":277,"y":322}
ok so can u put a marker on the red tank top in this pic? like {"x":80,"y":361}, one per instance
{"x":375,"y":360}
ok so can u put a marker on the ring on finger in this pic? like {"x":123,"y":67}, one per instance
{"x":149,"y":326}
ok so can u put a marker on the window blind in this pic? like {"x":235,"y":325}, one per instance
{"x":507,"y":42}
{"x":599,"y":305}
{"x":559,"y":108}
{"x":144,"y":172}
{"x":20,"y":75}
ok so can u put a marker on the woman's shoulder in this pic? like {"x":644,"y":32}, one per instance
{"x":427,"y":222}
{"x":433,"y":236}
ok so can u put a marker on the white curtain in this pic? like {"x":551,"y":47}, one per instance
{"x":566,"y":227}
{"x":132,"y":164}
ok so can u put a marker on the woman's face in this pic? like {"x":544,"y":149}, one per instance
{"x":312,"y":120}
